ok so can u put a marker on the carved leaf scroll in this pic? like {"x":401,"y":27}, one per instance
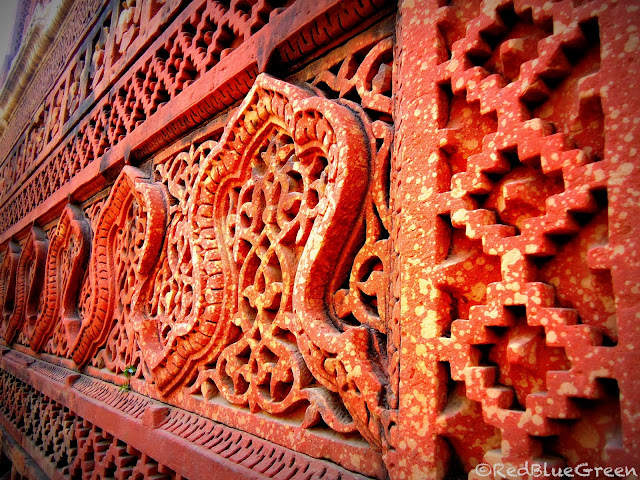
{"x":8,"y":273}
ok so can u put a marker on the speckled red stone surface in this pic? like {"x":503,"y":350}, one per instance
{"x":325,"y":240}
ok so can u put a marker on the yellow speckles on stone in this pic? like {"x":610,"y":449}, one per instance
{"x":511,"y":257}
{"x":421,"y":349}
{"x":552,"y":337}
{"x":478,"y":292}
{"x":632,"y":44}
{"x":470,"y":144}
{"x":599,"y":373}
{"x":453,"y":65}
{"x":519,"y":298}
{"x":429,"y":325}
{"x":426,"y":194}
{"x":531,"y":248}
{"x":567,"y":389}
{"x":537,"y":420}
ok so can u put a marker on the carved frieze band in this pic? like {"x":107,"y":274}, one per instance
{"x":80,"y":442}
{"x":65,"y":137}
{"x":217,"y":275}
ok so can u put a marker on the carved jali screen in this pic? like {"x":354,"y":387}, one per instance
{"x":324,"y":240}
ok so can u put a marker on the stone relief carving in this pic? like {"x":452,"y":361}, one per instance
{"x":29,"y":280}
{"x":258,"y":270}
{"x":66,"y":258}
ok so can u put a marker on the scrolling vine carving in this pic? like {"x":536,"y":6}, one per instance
{"x":135,"y":211}
{"x":8,"y":272}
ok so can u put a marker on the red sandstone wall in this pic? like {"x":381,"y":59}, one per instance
{"x":296,"y":239}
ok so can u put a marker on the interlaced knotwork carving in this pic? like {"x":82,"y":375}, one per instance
{"x":162,"y":270}
{"x":269,"y":220}
{"x":58,"y":344}
{"x":237,"y":301}
{"x":364,"y":77}
{"x":170,"y":300}
{"x":121,"y":348}
{"x":66,"y":258}
{"x":29,"y":279}
{"x":278,"y":246}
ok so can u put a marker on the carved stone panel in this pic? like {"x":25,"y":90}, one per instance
{"x":324,"y":240}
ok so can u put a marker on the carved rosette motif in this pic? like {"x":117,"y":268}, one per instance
{"x":66,"y":258}
{"x":30,"y":276}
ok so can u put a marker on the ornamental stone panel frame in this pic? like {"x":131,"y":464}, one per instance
{"x":322,"y":239}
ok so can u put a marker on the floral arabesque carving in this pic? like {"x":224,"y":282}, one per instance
{"x":29,"y":281}
{"x":169,"y":308}
{"x":8,"y":273}
{"x":206,"y":33}
{"x":66,"y":257}
{"x":135,"y":210}
{"x":284,"y":200}
{"x":269,"y":218}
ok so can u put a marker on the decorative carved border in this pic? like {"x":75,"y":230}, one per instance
{"x":30,"y":277}
{"x":98,"y":137}
{"x":66,"y":258}
{"x":189,"y":445}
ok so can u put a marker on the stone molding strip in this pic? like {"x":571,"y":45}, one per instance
{"x":42,"y":31}
{"x":193,"y":446}
{"x":52,"y":82}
